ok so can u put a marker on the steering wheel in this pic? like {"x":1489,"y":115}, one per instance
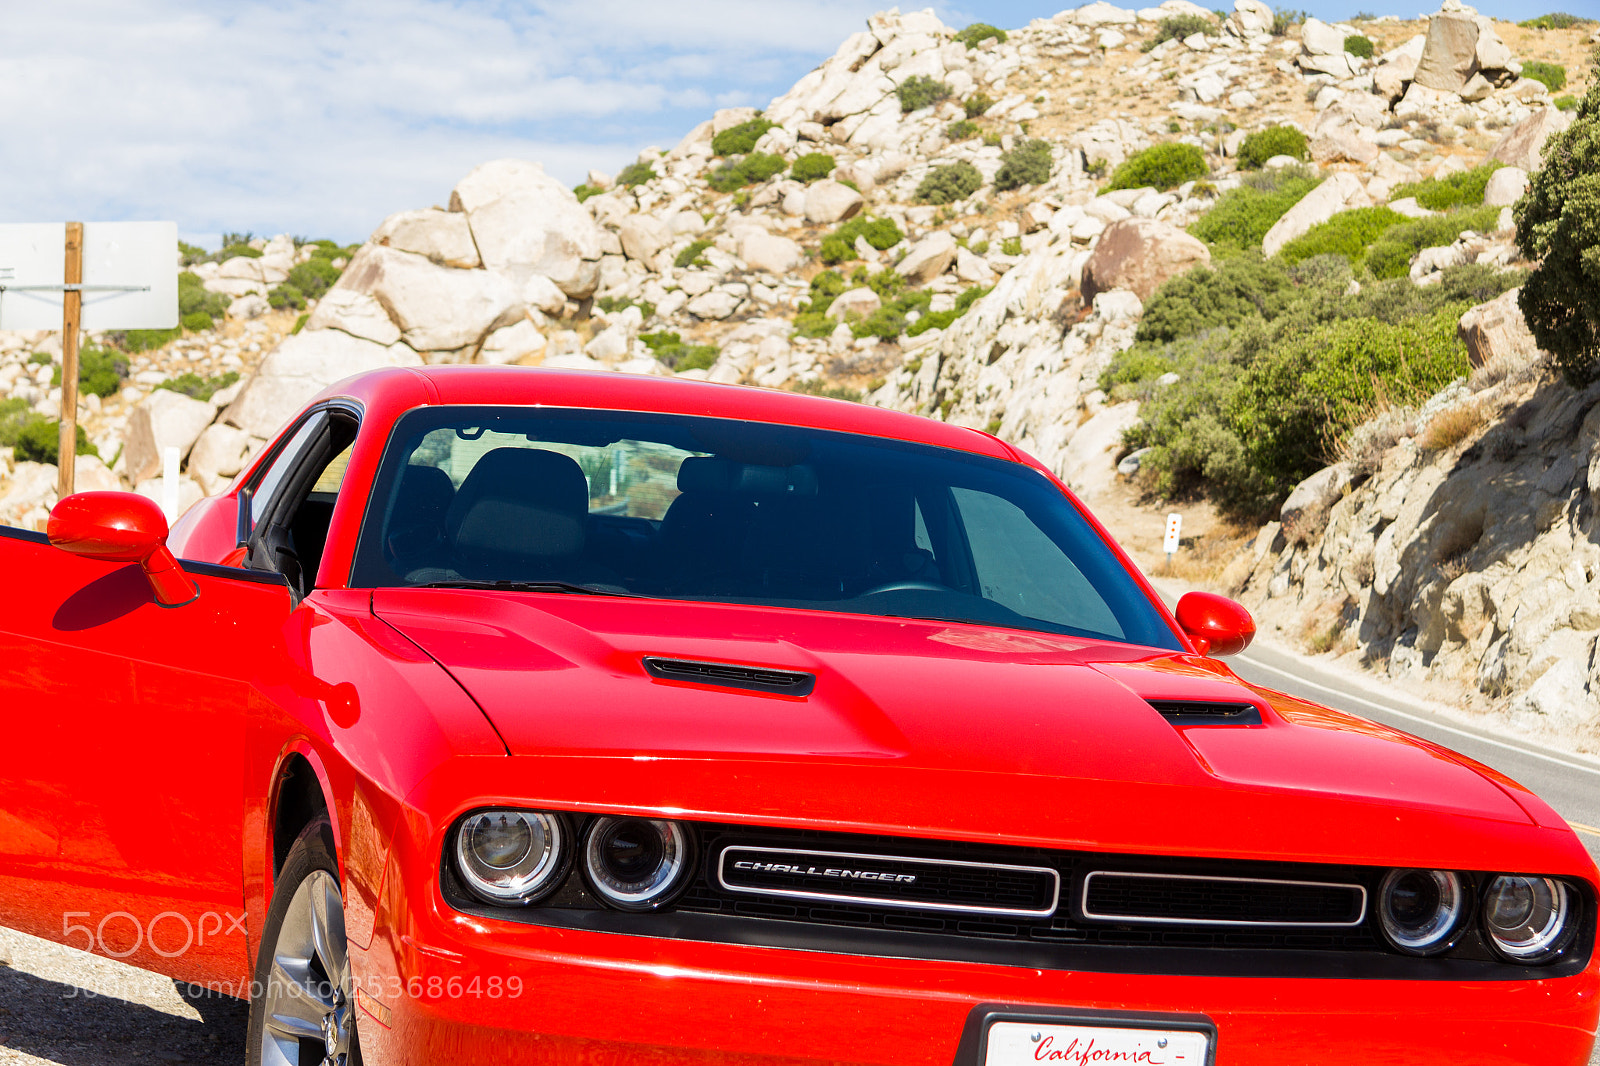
{"x":908,"y":585}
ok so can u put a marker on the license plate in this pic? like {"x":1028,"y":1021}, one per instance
{"x":1027,"y":1043}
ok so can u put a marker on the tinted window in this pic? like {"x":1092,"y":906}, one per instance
{"x":709,"y":509}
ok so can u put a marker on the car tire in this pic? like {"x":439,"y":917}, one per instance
{"x":302,"y":1003}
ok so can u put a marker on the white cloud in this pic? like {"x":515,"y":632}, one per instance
{"x":322,"y":117}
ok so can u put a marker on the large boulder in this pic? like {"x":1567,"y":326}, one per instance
{"x":516,"y":342}
{"x":1100,"y":13}
{"x":165,"y":419}
{"x":1305,"y":512}
{"x":928,"y":258}
{"x":1320,"y":39}
{"x":218,"y":454}
{"x":525,"y":222}
{"x":1522,"y":146}
{"x":437,"y":309}
{"x":1505,"y":187}
{"x":442,"y":236}
{"x":829,"y":201}
{"x":1450,"y":56}
{"x":643,"y":238}
{"x":1340,"y":142}
{"x":854,"y":303}
{"x":1251,"y":18}
{"x":1497,"y":332}
{"x":1138,"y":254}
{"x":302,"y":366}
{"x":770,"y":252}
{"x":1340,"y":192}
{"x":357,"y":313}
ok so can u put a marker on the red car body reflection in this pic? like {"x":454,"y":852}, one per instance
{"x":160,"y":760}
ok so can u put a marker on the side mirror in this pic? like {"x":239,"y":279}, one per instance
{"x":122,"y":527}
{"x":1216,"y":624}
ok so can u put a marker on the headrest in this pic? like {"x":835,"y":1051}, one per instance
{"x":521,"y":501}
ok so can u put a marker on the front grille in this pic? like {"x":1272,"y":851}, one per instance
{"x":1189,"y":899}
{"x":1064,"y":924}
{"x":979,"y":888}
{"x":732,"y":675}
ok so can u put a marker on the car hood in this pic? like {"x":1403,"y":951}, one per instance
{"x":940,"y":728}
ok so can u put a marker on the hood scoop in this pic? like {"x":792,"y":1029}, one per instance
{"x":732,"y":675}
{"x":1206,"y":712}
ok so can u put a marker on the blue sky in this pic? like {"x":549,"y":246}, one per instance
{"x":320,"y":117}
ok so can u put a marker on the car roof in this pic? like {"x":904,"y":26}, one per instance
{"x":391,"y":392}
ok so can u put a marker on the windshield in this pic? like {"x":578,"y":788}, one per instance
{"x":680,"y":507}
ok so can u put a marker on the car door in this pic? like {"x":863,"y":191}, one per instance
{"x":122,"y":761}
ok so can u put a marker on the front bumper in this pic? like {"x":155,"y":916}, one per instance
{"x":438,"y":987}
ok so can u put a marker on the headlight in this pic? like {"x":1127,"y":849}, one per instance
{"x":636,"y":864}
{"x":1528,"y":919}
{"x":511,"y":857}
{"x":1422,"y":912}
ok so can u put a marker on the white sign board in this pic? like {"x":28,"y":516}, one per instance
{"x":137,"y":256}
{"x":1174,"y":532}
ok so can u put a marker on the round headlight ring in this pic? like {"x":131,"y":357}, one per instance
{"x":636,"y":864}
{"x":1422,"y":912}
{"x":1529,"y":919}
{"x":511,"y":857}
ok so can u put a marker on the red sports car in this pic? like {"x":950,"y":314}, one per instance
{"x":506,"y":715}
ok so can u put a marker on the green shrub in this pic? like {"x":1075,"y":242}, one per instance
{"x":1178,"y":27}
{"x":1398,"y":300}
{"x":1263,"y":145}
{"x":670,"y":349}
{"x":190,"y":254}
{"x":145,"y":340}
{"x":101,"y":371}
{"x":1011,"y":246}
{"x":1558,"y":227}
{"x":236,"y":251}
{"x":942,"y":319}
{"x":961,"y":129}
{"x":840,"y":245}
{"x":1296,"y":402}
{"x":740,"y":139}
{"x":584,"y":191}
{"x":1357,"y":45}
{"x":314,"y":277}
{"x":1162,"y":166}
{"x":299,"y":324}
{"x":978,"y":32}
{"x":193,"y":385}
{"x":977,"y":104}
{"x":635,"y":174}
{"x":1028,"y":163}
{"x":612,"y":304}
{"x":1283,"y":18}
{"x":1566,"y":103}
{"x":39,"y":441}
{"x":1391,"y":254}
{"x":889,"y":320}
{"x":14,"y":414}
{"x":947,"y":184}
{"x":752,"y":169}
{"x":1205,"y":298}
{"x":198,"y":321}
{"x":1553,"y":75}
{"x":1464,"y":188}
{"x":693,"y":255}
{"x":193,"y":297}
{"x":286,"y":295}
{"x":1242,"y":216}
{"x":1349,"y":233}
{"x":920,"y":91}
{"x":1558,"y":20}
{"x":813,"y":166}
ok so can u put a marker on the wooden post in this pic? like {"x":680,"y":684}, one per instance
{"x":71,"y":315}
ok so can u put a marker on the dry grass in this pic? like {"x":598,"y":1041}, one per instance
{"x":1452,"y":426}
{"x":1326,"y":629}
{"x":1201,"y":561}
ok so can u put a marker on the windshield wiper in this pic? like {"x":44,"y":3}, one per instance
{"x":523,"y":586}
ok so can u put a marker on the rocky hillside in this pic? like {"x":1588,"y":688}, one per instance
{"x":970,"y":223}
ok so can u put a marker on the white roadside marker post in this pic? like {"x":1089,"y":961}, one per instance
{"x":169,"y":482}
{"x":1174,"y":529}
